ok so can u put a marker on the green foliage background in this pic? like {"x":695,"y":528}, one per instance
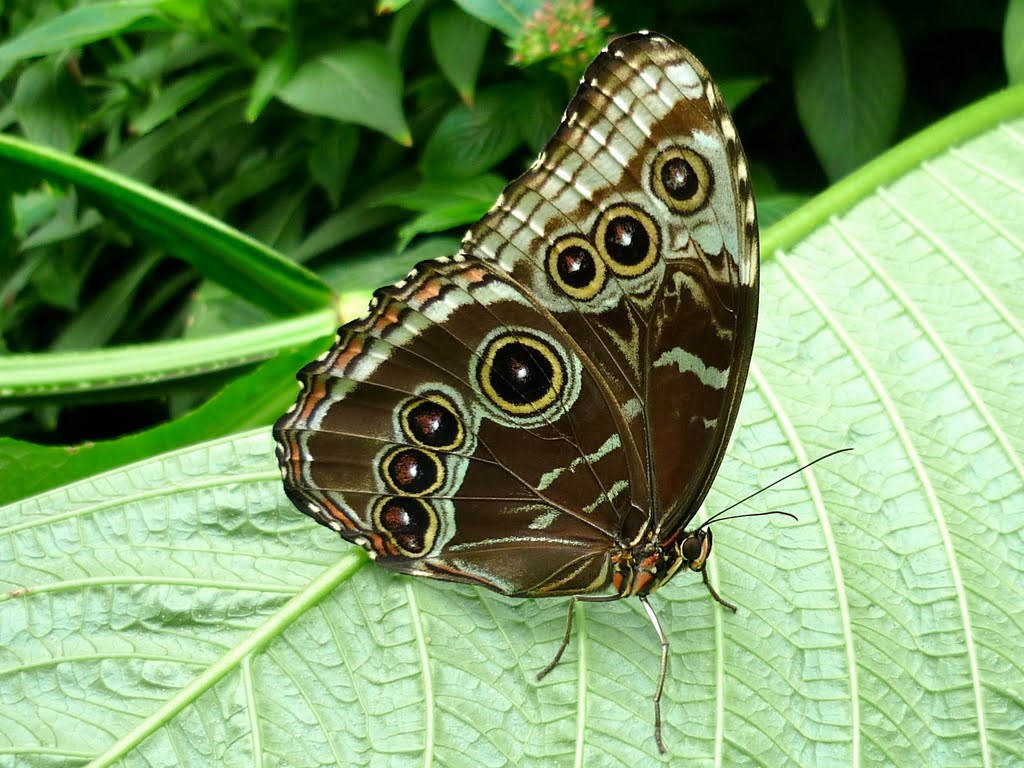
{"x":340,"y":134}
{"x":193,"y":195}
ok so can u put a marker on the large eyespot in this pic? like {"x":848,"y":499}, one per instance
{"x":412,"y":471}
{"x":520,"y":373}
{"x":410,"y":524}
{"x":575,"y":268}
{"x":628,"y":240}
{"x":430,"y":420}
{"x":682,"y":179}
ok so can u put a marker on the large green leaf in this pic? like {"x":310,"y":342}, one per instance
{"x":181,"y":612}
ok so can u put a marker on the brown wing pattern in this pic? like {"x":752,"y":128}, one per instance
{"x":508,"y":416}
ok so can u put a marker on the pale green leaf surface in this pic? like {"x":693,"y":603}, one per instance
{"x":180,"y":612}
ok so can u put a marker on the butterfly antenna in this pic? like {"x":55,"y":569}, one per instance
{"x":717,"y":517}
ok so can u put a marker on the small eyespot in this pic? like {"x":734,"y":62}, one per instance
{"x":431,"y":420}
{"x":412,"y":471}
{"x":409,"y":524}
{"x":575,"y":268}
{"x":682,"y":179}
{"x":628,"y":240}
{"x":520,"y":373}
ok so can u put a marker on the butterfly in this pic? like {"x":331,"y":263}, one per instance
{"x":543,"y":413}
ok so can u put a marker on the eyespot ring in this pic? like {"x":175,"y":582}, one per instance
{"x":521,"y":373}
{"x":430,"y":420}
{"x":408,"y":523}
{"x":682,"y":179}
{"x":575,"y":267}
{"x":628,"y":240}
{"x":412,"y":471}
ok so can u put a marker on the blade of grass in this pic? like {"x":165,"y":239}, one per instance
{"x":218,"y":251}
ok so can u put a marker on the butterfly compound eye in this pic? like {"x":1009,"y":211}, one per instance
{"x":695,"y":549}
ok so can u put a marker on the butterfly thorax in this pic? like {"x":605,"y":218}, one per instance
{"x":641,"y":568}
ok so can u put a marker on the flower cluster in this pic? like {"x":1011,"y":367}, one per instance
{"x":564,"y":33}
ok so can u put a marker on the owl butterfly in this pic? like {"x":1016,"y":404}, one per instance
{"x":543,"y":413}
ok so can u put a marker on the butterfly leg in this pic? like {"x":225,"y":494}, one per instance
{"x":715,"y":594}
{"x":661,"y":673}
{"x":568,"y":626}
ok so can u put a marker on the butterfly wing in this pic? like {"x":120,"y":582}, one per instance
{"x":637,"y":228}
{"x":493,"y":418}
{"x":453,"y":433}
{"x":701,"y":331}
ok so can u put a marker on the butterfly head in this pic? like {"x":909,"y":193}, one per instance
{"x":642,"y":568}
{"x":694,"y":549}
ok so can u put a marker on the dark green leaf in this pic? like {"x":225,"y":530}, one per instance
{"x":97,"y":323}
{"x":330,"y":160}
{"x":458,"y":41}
{"x":359,"y":83}
{"x":66,"y":222}
{"x":256,"y":176}
{"x":177,"y":97}
{"x":215,"y":249}
{"x":820,"y":10}
{"x":282,"y":221}
{"x":471,"y":140}
{"x":539,"y":110}
{"x":1013,"y":41}
{"x":433,"y":193}
{"x":79,"y":26}
{"x":441,"y":218}
{"x":385,"y":7}
{"x":252,"y":400}
{"x":849,"y":88}
{"x":737,"y":90}
{"x":271,"y":75}
{"x":50,"y":105}
{"x":402,"y":25}
{"x":338,"y":228}
{"x":357,"y":277}
{"x":775,"y":207}
{"x":178,"y":142}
